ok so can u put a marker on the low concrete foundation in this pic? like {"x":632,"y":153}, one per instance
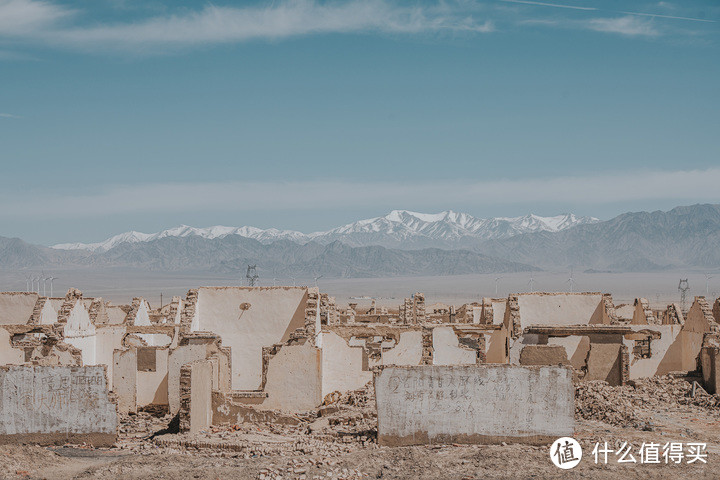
{"x":474,"y":404}
{"x":56,"y":405}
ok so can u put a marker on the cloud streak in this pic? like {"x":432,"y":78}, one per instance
{"x":693,"y":186}
{"x":45,"y":23}
{"x":217,"y":24}
{"x":9,"y":115}
{"x":629,"y":26}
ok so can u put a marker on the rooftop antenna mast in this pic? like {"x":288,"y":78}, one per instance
{"x":683,"y":288}
{"x":251,"y":275}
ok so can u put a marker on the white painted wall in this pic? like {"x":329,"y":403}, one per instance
{"x":408,"y":350}
{"x":8,"y":354}
{"x":447,"y":349}
{"x":274,"y":313}
{"x":16,"y":307}
{"x":342,"y":365}
{"x":559,"y":309}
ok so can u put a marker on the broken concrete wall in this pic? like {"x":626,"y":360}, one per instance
{"x":643,"y":314}
{"x":698,"y":322}
{"x":56,"y":405}
{"x":8,"y":354}
{"x":474,"y":404}
{"x":191,"y":348}
{"x":344,"y":368}
{"x":108,"y":338}
{"x":269,"y":316}
{"x":498,"y":345}
{"x":294,"y":382}
{"x":710,"y":366}
{"x":16,"y":308}
{"x":152,"y":376}
{"x":447,"y":349}
{"x":543,"y":355}
{"x":654,"y":350}
{"x":560,"y":308}
{"x":407,"y":351}
{"x":576,"y":348}
{"x":195,"y":396}
{"x":232,"y":409}
{"x":605,"y":363}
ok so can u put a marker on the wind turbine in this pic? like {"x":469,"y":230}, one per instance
{"x":316,"y":279}
{"x":51,"y":285}
{"x":293,"y":280}
{"x":27,"y":283}
{"x":571,"y":281}
{"x":707,"y":284}
{"x":531,"y":283}
{"x":497,"y":279}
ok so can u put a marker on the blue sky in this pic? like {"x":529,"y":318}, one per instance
{"x":119,"y":115}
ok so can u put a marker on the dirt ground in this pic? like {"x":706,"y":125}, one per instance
{"x":338,"y":442}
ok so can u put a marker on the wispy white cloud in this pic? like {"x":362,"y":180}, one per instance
{"x":217,"y":24}
{"x":28,"y":17}
{"x":692,"y":186}
{"x":673,"y":17}
{"x":9,"y":115}
{"x":49,"y":23}
{"x":628,"y":25}
{"x":554,"y":5}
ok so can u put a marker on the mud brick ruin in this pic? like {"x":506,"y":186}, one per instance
{"x":228,"y":355}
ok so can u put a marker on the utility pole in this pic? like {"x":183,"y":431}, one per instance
{"x":683,"y":288}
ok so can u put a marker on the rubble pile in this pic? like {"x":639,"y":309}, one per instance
{"x":596,"y":400}
{"x":622,"y":405}
{"x":668,"y":389}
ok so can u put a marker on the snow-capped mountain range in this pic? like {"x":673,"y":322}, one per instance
{"x":398,"y":229}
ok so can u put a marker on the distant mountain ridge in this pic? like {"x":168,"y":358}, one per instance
{"x":398,"y":229}
{"x":233,"y":253}
{"x":684,"y":237}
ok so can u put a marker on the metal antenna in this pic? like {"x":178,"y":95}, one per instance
{"x":683,"y":288}
{"x":251,"y":275}
{"x":497,"y":280}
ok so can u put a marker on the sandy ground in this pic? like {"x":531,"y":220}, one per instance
{"x":340,"y":445}
{"x":121,"y":285}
